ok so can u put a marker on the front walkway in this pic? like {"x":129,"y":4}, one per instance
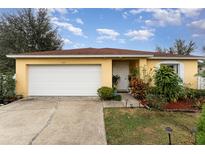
{"x":127,"y":101}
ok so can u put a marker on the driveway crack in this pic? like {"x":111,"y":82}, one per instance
{"x":45,"y":126}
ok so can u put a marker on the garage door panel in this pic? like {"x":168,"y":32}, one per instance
{"x":64,"y":80}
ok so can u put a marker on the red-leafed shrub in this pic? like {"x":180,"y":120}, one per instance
{"x":138,"y":88}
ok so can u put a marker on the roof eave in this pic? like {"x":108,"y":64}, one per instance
{"x":76,"y":56}
{"x":177,"y":58}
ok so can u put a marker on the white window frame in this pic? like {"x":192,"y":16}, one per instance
{"x":180,"y":67}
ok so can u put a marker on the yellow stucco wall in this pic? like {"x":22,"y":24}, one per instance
{"x":142,"y":63}
{"x":190,"y":69}
{"x":22,"y":70}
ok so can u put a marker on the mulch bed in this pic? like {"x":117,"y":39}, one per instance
{"x":180,"y":105}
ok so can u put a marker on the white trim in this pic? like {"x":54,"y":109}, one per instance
{"x":176,"y":58}
{"x":74,"y":56}
{"x":201,"y":82}
{"x":180,"y":69}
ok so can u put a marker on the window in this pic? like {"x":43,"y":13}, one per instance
{"x":175,"y":67}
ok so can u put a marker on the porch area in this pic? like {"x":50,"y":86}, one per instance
{"x":124,"y":68}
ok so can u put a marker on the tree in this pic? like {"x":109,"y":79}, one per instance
{"x":26,"y":31}
{"x":179,"y":47}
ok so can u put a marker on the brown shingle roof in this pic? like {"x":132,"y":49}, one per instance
{"x":91,"y":51}
{"x":103,"y":51}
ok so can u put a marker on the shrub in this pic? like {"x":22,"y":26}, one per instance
{"x":168,"y":83}
{"x":200,"y":136}
{"x":115,"y":80}
{"x":135,"y":72}
{"x":155,"y":101}
{"x":195,"y":96}
{"x":117,"y":97}
{"x":152,"y":90}
{"x":188,"y":93}
{"x":193,"y":93}
{"x":138,"y":88}
{"x":105,"y":93}
{"x":198,"y":93}
{"x":7,"y":86}
{"x":146,"y":74}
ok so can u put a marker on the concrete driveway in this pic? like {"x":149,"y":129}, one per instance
{"x":52,"y":120}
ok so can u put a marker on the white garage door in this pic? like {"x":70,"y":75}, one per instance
{"x":64,"y":80}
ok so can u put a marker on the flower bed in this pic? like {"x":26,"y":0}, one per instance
{"x":181,"y":105}
{"x":168,"y":94}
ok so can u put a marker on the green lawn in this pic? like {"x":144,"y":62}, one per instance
{"x":141,"y":126}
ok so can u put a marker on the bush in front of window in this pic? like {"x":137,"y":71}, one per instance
{"x":168,"y":83}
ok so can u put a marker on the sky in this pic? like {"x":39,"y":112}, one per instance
{"x":138,"y":29}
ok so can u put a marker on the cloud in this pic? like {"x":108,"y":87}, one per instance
{"x":67,"y":26}
{"x":160,"y":17}
{"x":163,"y":17}
{"x":67,"y":41}
{"x":62,"y":11}
{"x":72,"y":45}
{"x":195,"y":35}
{"x":79,"y":21}
{"x":191,"y":12}
{"x":124,"y":15}
{"x":73,"y":11}
{"x":107,"y":34}
{"x":142,"y":34}
{"x":122,"y":41}
{"x":137,"y":11}
{"x":198,"y":24}
{"x":148,"y":22}
{"x":78,"y":45}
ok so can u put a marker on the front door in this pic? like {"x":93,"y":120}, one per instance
{"x":122,"y":69}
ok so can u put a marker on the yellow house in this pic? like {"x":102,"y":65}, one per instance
{"x":80,"y":72}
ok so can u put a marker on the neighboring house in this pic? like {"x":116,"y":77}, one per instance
{"x":80,"y":72}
